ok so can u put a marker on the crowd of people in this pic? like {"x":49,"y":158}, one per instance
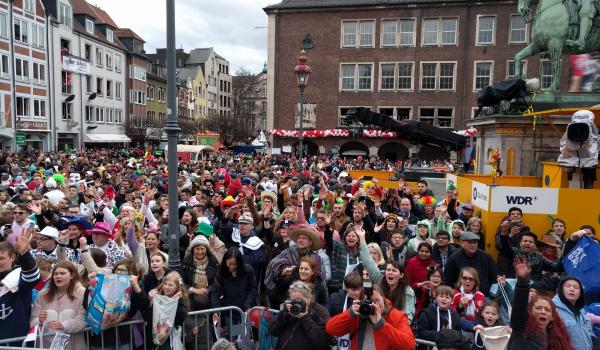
{"x":349,"y":264}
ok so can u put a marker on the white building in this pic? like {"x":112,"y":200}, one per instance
{"x":88,"y":79}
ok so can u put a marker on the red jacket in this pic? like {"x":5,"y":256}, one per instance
{"x":416,"y":270}
{"x":393,"y":332}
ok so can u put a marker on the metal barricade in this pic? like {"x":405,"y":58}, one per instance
{"x":202,"y":328}
{"x":261,"y":312}
{"x":429,"y":344}
{"x":118,"y":337}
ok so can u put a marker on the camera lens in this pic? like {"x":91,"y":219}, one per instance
{"x":366,"y":309}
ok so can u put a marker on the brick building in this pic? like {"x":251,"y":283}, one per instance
{"x":24,"y":100}
{"x":415,"y":60}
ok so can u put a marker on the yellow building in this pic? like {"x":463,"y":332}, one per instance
{"x":196,"y":75}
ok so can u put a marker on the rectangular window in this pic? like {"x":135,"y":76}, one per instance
{"x":137,"y":73}
{"x":89,"y":114}
{"x":109,"y":35}
{"x":67,"y":111}
{"x":22,"y":106}
{"x":99,"y":115}
{"x":440,"y":31}
{"x":117,"y":63}
{"x":442,"y":117}
{"x":486,"y":27}
{"x":365,"y":76}
{"x":64,"y":15}
{"x":99,"y":57}
{"x":89,"y":84}
{"x":22,"y":69}
{"x":389,"y":30}
{"x":88,"y":52}
{"x":545,"y":74}
{"x":118,"y":116}
{"x":109,"y":61}
{"x":39,"y":108}
{"x":4,"y":66}
{"x":39,"y":39}
{"x":3,"y":25}
{"x":66,"y":82}
{"x":28,"y":6}
{"x":387,"y":75}
{"x":438,"y":76}
{"x":358,"y":33}
{"x":109,"y":89}
{"x":21,"y":30}
{"x":428,"y":76}
{"x":405,"y":76}
{"x":510,"y":69}
{"x":356,"y":77}
{"x":388,"y":111}
{"x":347,"y":76}
{"x":99,"y":86}
{"x":403,"y":113}
{"x":39,"y":73}
{"x":518,"y":30}
{"x":344,"y":111}
{"x":109,"y":115}
{"x":118,"y":90}
{"x":407,"y":32}
{"x":483,"y":75}
{"x":89,"y":26}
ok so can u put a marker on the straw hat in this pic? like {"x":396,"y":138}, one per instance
{"x":549,"y":241}
{"x":307,"y":230}
{"x":270,"y":195}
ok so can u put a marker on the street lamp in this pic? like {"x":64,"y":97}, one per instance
{"x":302,"y":71}
{"x":172,"y":129}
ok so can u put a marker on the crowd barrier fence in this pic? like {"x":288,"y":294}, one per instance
{"x":201,"y":329}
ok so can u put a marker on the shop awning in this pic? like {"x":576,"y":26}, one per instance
{"x":106,"y":138}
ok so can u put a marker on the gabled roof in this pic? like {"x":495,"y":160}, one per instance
{"x":81,"y":7}
{"x":188,"y":73}
{"x":199,"y":56}
{"x":314,"y":4}
{"x":128,"y":33}
{"x":103,"y":17}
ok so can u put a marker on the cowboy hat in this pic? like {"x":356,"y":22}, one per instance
{"x":549,"y":241}
{"x":269,"y":194}
{"x":83,"y":224}
{"x":307,"y":230}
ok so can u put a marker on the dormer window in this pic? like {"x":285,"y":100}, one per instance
{"x":109,"y":35}
{"x":89,"y":26}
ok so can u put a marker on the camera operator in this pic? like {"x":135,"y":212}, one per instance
{"x":373,"y":323}
{"x":301,"y":323}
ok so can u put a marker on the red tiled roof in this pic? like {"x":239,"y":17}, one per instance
{"x":103,"y":16}
{"x":127,"y":33}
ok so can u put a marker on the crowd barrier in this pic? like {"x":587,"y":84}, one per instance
{"x":201,"y":330}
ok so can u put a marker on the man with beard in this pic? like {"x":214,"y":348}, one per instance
{"x":339,"y":217}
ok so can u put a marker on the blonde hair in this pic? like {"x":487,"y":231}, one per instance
{"x":302,"y":287}
{"x":175,"y":277}
{"x":379,"y":251}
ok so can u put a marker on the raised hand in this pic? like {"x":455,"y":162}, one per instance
{"x":22,"y":244}
{"x":522,"y":268}
{"x":35,"y":208}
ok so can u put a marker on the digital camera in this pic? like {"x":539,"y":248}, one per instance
{"x":298,"y":306}
{"x":366,"y":307}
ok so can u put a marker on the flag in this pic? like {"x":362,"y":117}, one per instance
{"x":581,"y":262}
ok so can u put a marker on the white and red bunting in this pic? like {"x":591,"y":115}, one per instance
{"x":311,"y":134}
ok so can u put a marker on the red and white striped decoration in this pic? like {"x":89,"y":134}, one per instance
{"x":310,"y":134}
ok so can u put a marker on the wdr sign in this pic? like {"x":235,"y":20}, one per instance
{"x":531,"y":200}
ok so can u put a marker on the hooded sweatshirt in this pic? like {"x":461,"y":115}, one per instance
{"x":413,"y":243}
{"x":573,"y":316}
{"x":451,"y":224}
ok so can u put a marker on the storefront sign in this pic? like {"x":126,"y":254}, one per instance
{"x":531,"y":200}
{"x":76,"y":65}
{"x":480,"y":195}
{"x":20,"y":138}
{"x":32,"y":125}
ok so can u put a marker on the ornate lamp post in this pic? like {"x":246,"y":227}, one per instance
{"x":302,"y":71}
{"x":172,"y":129}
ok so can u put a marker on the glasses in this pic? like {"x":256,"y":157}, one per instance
{"x":464,"y":278}
{"x":18,"y":212}
{"x":121,"y":270}
{"x":300,"y":286}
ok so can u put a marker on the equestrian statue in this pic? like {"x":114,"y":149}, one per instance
{"x":560,"y":27}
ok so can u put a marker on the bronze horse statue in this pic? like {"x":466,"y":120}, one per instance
{"x":550,"y":36}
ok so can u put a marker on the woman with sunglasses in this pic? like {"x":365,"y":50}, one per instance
{"x":468,"y":300}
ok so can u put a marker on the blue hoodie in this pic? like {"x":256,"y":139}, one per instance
{"x":577,"y":324}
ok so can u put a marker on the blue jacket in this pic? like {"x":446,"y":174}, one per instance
{"x":578,"y":326}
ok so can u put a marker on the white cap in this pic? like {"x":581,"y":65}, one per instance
{"x":49,"y":231}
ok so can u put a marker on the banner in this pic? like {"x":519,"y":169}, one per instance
{"x":532,"y":200}
{"x":480,"y":195}
{"x":76,"y":65}
{"x":581,"y":262}
{"x":110,"y":301}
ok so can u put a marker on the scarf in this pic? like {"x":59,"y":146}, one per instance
{"x":200,"y":279}
{"x":470,"y":310}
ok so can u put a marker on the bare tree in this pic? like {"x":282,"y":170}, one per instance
{"x":238,"y":126}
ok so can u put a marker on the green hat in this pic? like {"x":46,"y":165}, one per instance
{"x":451,"y":187}
{"x":205,"y":229}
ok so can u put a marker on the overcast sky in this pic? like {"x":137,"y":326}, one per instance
{"x":226,"y":25}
